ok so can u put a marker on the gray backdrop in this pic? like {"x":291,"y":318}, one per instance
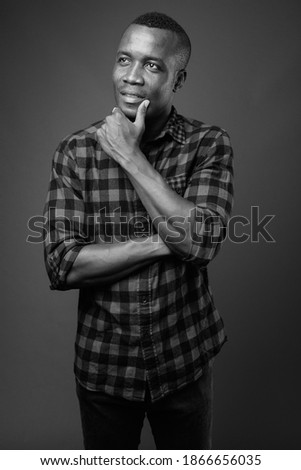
{"x":244,"y":75}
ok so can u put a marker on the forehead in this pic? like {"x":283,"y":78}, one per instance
{"x":138,"y":39}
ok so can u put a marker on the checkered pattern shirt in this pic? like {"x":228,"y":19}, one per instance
{"x":159,"y":325}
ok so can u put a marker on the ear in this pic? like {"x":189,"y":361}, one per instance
{"x":180,"y":80}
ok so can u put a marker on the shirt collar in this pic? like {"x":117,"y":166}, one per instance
{"x":175,"y":127}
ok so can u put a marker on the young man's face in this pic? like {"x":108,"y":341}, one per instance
{"x":145,"y":68}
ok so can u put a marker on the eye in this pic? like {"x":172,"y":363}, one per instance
{"x":123,"y":60}
{"x":153,"y":67}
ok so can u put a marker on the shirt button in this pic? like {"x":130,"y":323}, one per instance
{"x":144,"y":300}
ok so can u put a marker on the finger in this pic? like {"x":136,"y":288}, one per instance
{"x":101,"y":136}
{"x":101,"y":129}
{"x":117,"y":112}
{"x":141,"y":112}
{"x":100,"y":133}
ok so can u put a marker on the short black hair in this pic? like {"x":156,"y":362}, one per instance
{"x":155,"y":19}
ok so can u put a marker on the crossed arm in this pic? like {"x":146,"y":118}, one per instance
{"x":106,"y":263}
{"x":111,"y":262}
{"x":120,"y":139}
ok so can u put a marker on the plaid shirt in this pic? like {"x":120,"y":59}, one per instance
{"x":158,"y":325}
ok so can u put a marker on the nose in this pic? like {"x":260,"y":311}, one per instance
{"x":134,"y":75}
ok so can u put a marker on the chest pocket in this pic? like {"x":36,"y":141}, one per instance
{"x":178,"y":183}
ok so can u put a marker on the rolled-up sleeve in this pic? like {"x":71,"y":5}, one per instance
{"x":210,"y":188}
{"x":64,"y":212}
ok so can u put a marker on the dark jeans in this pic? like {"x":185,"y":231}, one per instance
{"x":182,"y":420}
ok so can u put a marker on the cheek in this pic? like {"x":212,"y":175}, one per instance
{"x":116,"y":75}
{"x":162,"y":93}
{"x":162,"y":88}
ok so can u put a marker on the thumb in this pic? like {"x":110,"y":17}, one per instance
{"x":141,"y":112}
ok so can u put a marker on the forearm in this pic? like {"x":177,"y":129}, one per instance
{"x":108,"y":263}
{"x":171,"y":214}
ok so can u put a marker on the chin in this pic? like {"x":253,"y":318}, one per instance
{"x":130,"y":112}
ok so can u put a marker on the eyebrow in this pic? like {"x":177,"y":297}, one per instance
{"x":145,"y":58}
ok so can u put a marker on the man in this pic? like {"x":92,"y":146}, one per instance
{"x":137,"y":207}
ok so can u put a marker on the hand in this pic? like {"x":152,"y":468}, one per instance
{"x":120,"y":138}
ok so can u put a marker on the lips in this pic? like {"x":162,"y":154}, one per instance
{"x":131,"y":98}
{"x":131,"y":94}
